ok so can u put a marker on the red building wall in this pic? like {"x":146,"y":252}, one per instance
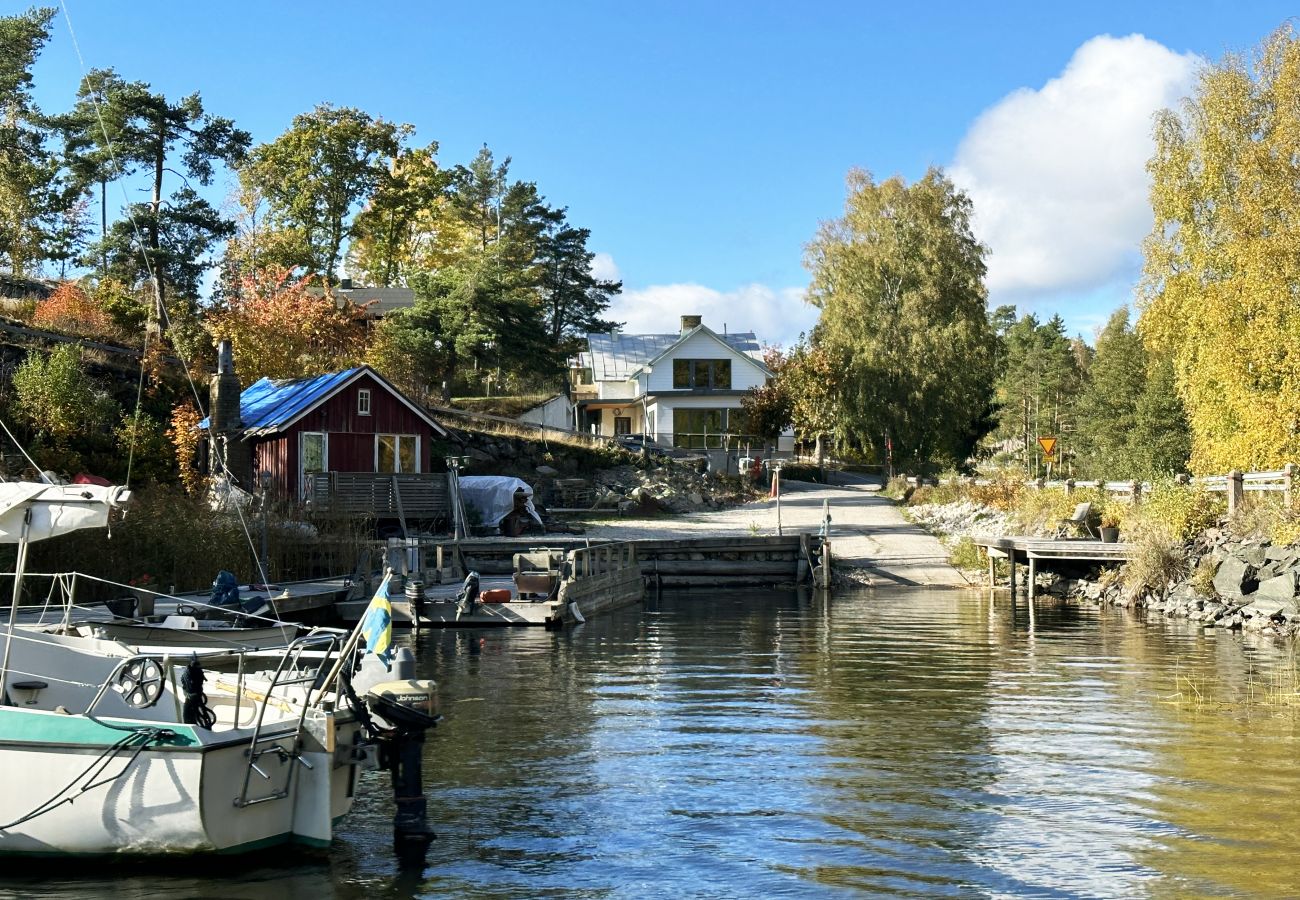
{"x":351,"y":436}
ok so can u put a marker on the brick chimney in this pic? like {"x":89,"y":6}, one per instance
{"x":690,"y":322}
{"x":227,"y":443}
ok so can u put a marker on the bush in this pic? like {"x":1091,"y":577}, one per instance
{"x":966,"y":555}
{"x":1158,"y":559}
{"x":1182,"y":510}
{"x":897,"y":488}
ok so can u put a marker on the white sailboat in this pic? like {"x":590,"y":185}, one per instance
{"x":104,"y":750}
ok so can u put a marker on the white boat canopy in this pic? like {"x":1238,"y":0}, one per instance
{"x":55,"y":508}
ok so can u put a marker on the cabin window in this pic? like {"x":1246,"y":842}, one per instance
{"x":363,"y":402}
{"x":397,"y":453}
{"x":702,"y":374}
{"x":622,"y":425}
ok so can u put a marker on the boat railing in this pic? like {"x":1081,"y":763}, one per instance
{"x":602,"y":559}
{"x":288,"y":674}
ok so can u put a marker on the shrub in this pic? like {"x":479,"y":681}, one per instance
{"x":69,"y":309}
{"x":1158,"y":559}
{"x":1181,"y":510}
{"x":56,"y":397}
{"x":966,"y":555}
{"x":897,"y":488}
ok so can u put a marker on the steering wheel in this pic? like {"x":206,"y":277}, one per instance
{"x":140,"y":682}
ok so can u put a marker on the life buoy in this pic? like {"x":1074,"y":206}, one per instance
{"x":495,"y":595}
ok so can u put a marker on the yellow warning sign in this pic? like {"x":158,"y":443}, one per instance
{"x":1048,"y":444}
{"x":1048,"y":459}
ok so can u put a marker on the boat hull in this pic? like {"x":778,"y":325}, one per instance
{"x":177,"y":795}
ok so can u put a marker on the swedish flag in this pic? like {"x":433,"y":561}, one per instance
{"x":377,"y":625}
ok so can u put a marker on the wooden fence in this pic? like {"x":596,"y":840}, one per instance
{"x":1235,"y":484}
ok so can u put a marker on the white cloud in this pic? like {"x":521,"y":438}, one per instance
{"x":775,"y":316}
{"x":1057,"y":175}
{"x":604,"y":267}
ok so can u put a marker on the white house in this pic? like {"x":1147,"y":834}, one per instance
{"x":682,"y":389}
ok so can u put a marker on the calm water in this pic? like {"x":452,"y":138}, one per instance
{"x":901,"y":744}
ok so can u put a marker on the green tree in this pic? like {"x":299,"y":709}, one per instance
{"x":573,"y":299}
{"x":1108,"y":405}
{"x":121,"y":129}
{"x":55,"y":397}
{"x":393,"y":234}
{"x":1040,"y":376}
{"x":316,"y":175}
{"x":421,"y":348}
{"x":31,"y":201}
{"x":1218,"y":294}
{"x":813,"y":379}
{"x":899,"y":279}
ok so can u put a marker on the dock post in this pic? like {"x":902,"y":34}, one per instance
{"x":993,"y":577}
{"x":1033,"y":575}
{"x":1011,"y":558}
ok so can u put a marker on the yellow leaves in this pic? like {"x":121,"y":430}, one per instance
{"x":1222,"y":263}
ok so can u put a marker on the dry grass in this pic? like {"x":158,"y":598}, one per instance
{"x":1158,"y":559}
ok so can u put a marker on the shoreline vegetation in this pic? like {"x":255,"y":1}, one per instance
{"x":1192,"y":560}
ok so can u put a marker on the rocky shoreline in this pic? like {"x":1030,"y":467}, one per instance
{"x":1225,"y":580}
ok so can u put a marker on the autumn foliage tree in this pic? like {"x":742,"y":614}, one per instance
{"x":70,"y":309}
{"x":280,"y":326}
{"x":1222,"y":262}
{"x":766,"y":410}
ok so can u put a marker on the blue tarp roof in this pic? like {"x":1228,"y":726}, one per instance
{"x":270,"y":404}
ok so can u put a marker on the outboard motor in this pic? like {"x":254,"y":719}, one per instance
{"x":225,"y":589}
{"x":468,"y":599}
{"x":405,"y":708}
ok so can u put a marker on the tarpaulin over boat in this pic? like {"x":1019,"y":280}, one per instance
{"x":494,"y":496}
{"x":55,"y":508}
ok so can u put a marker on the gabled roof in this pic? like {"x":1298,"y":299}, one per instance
{"x":618,"y":357}
{"x":269,"y":406}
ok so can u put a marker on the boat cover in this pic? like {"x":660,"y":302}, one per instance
{"x":494,"y":496}
{"x":56,"y":508}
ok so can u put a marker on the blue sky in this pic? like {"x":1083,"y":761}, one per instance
{"x":702,"y":143}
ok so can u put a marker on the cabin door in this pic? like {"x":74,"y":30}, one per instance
{"x":313,"y":456}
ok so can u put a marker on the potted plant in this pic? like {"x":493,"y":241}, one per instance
{"x":1110,"y":519}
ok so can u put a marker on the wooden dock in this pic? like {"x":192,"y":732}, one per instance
{"x":1033,"y":551}
{"x":677,"y":562}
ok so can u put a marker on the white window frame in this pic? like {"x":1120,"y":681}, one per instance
{"x":397,"y":454}
{"x":363,"y":402}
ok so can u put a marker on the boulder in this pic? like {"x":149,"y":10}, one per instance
{"x":1281,"y":554}
{"x":1235,"y":577}
{"x":547,"y":471}
{"x":1265,"y":608}
{"x":1253,"y":554}
{"x":1280,"y":587}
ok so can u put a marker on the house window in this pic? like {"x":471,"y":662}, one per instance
{"x":702,"y":374}
{"x":397,"y":453}
{"x":622,"y":425}
{"x":363,"y":402}
{"x":698,"y":429}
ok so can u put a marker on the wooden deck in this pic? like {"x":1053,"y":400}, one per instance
{"x":1032,"y":551}
{"x":415,"y":495}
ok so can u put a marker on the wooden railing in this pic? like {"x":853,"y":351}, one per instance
{"x":408,"y":496}
{"x":1235,"y":484}
{"x":602,"y":559}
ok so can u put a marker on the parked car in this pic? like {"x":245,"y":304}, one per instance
{"x":639,"y":442}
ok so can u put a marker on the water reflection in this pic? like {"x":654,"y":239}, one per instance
{"x":918,"y":743}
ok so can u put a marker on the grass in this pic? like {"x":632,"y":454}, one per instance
{"x":966,"y":554}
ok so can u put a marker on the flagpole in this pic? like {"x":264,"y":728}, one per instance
{"x":351,"y":643}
